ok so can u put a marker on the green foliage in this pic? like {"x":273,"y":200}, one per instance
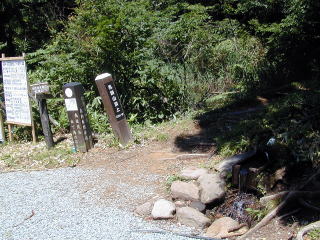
{"x":173,"y":178}
{"x":293,"y":120}
{"x":314,"y":234}
{"x":170,"y":56}
{"x":163,"y":61}
{"x":257,"y":214}
{"x":27,"y":25}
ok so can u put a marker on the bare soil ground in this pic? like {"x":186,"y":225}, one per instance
{"x":158,"y":158}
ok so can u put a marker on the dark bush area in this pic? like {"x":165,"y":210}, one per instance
{"x":168,"y":56}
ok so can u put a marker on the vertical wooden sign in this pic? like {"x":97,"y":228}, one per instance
{"x":113,"y":107}
{"x":41,"y":91}
{"x":77,"y":114}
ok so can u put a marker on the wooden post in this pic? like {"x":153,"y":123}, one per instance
{"x":113,"y":107}
{"x":78,"y":117}
{"x":9,"y":126}
{"x":44,"y":116}
{"x":33,"y":125}
{"x":40,"y":93}
{"x":235,"y":174}
{"x":3,"y":138}
{"x":33,"y":130}
{"x":10,"y":132}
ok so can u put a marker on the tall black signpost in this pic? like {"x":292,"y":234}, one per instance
{"x":77,"y":114}
{"x":113,"y":107}
{"x":40,"y":92}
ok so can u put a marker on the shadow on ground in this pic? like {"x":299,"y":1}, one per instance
{"x":291,"y":116}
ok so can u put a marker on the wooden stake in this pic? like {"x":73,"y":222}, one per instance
{"x":33,"y":129}
{"x":44,"y":116}
{"x":1,"y":128}
{"x":10,"y":133}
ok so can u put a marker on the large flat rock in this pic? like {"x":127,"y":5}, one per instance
{"x":163,"y":209}
{"x":192,"y":217}
{"x":193,"y":173}
{"x":185,"y":191}
{"x":225,"y":227}
{"x":212,"y":188}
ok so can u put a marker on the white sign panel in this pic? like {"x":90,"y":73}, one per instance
{"x":71,"y":104}
{"x":15,"y":86}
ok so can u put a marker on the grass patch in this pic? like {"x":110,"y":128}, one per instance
{"x":28,"y":156}
{"x":173,"y":178}
{"x":314,"y":234}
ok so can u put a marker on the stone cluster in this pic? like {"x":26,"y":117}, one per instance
{"x":189,"y":201}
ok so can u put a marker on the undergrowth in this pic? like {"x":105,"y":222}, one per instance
{"x":290,"y":116}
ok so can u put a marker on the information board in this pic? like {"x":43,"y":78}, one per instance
{"x":15,"y":85}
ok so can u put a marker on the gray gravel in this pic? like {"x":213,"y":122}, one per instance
{"x":67,"y":204}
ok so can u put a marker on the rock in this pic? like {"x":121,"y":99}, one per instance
{"x":193,"y":173}
{"x":163,"y":209}
{"x":212,"y":188}
{"x":144,"y":209}
{"x":242,"y":230}
{"x":192,"y":217}
{"x":198,"y":205}
{"x":180,"y":203}
{"x":184,"y":191}
{"x":221,"y":228}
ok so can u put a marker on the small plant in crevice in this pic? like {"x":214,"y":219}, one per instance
{"x":257,"y":214}
{"x":173,"y":178}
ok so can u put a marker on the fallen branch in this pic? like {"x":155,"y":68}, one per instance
{"x":174,"y":233}
{"x":189,"y":156}
{"x":307,"y":228}
{"x":226,"y":164}
{"x":266,"y":199}
{"x":30,"y":216}
{"x":289,"y":197}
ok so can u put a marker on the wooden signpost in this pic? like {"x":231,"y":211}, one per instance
{"x":2,"y":136}
{"x":16,"y":90}
{"x":41,"y":93}
{"x":113,"y":107}
{"x":77,"y":114}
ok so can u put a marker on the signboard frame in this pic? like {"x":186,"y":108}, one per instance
{"x":10,"y":123}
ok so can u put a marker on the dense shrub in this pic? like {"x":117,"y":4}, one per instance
{"x":163,"y":61}
{"x":167,"y":56}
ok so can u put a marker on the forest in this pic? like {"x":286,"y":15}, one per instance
{"x":169,"y":57}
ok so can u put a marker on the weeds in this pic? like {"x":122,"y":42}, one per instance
{"x":257,"y":214}
{"x":36,"y":156}
{"x":172,"y":179}
{"x":292,"y":118}
{"x":314,"y":234}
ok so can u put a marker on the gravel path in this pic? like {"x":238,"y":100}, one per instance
{"x":55,"y":205}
